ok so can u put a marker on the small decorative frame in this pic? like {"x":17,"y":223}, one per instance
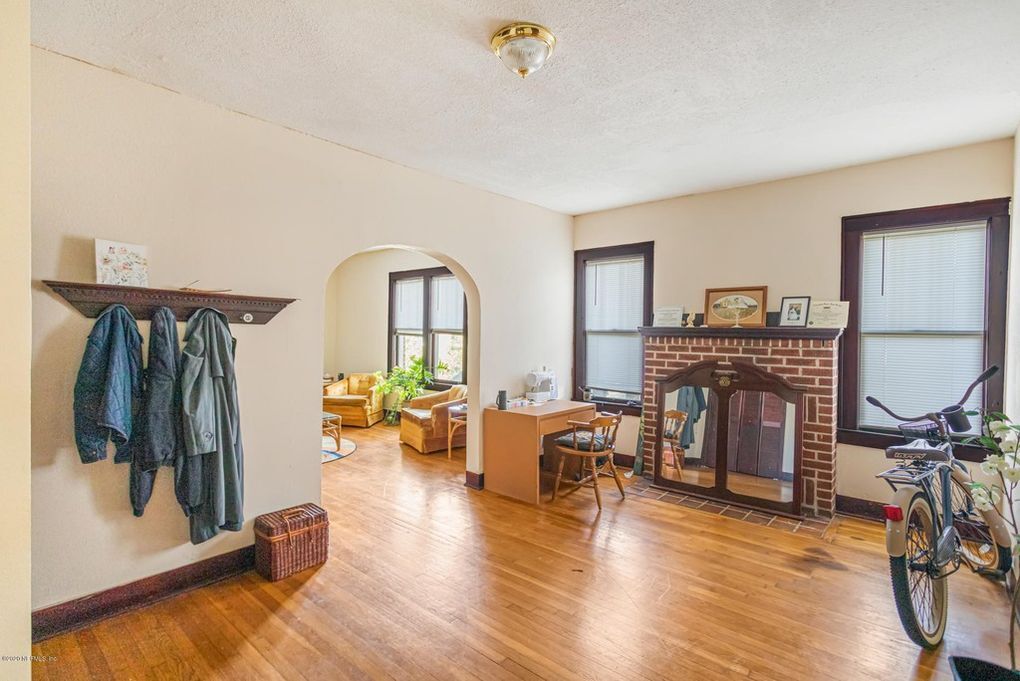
{"x":794,"y":311}
{"x":736,"y":307}
{"x":121,"y":264}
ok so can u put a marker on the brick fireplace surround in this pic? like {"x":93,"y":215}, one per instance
{"x":807,"y":358}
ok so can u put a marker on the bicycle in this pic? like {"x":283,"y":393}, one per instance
{"x":932,"y":525}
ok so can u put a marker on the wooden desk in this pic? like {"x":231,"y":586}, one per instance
{"x":512,"y":443}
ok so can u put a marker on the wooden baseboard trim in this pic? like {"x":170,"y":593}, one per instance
{"x":81,"y":612}
{"x":860,"y":508}
{"x":474,"y":480}
{"x":625,"y":460}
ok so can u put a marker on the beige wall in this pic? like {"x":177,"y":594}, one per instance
{"x":357,"y":306}
{"x":1011,"y":402}
{"x":786,"y":235}
{"x":239,"y":203}
{"x":15,"y":334}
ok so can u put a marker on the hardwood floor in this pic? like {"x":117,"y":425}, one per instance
{"x":741,"y":483}
{"x":430,"y":580}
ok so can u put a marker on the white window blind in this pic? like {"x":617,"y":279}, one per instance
{"x":922,"y":314}
{"x":447,"y":305}
{"x":407,"y":300}
{"x":613,"y":310}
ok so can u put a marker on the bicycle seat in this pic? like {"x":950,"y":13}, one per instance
{"x":918,"y":450}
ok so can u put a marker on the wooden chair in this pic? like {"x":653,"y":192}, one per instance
{"x":672,"y":428}
{"x":589,"y":441}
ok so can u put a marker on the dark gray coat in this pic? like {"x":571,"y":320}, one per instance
{"x":158,"y":440}
{"x":210,"y":477}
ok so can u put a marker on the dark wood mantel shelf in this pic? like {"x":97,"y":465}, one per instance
{"x":742,"y":332}
{"x":92,"y":299}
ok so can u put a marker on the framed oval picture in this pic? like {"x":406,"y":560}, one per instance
{"x":739,"y":306}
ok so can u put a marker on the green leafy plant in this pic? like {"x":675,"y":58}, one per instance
{"x":408,"y":383}
{"x":1001,"y":437}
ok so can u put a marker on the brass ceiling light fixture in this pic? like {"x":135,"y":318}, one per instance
{"x":523,"y":47}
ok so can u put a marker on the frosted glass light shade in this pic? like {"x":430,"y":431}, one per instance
{"x":524,"y":56}
{"x":523,"y":47}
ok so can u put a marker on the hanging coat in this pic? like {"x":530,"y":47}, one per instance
{"x":108,"y":390}
{"x":209,"y":477}
{"x":690,"y":399}
{"x":158,"y":440}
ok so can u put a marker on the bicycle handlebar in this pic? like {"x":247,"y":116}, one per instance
{"x":985,"y":375}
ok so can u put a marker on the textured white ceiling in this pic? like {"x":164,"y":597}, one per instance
{"x":644,"y":99}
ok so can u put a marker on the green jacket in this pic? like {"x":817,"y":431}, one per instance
{"x":210,"y":477}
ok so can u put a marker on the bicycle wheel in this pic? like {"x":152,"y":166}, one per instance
{"x":976,"y":543}
{"x":921,"y":596}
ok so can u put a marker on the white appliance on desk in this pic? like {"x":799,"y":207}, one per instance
{"x":541,"y":386}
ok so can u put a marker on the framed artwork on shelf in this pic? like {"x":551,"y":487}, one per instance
{"x":121,"y":264}
{"x":794,"y":310}
{"x":737,"y":306}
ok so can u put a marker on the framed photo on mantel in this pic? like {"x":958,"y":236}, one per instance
{"x":794,"y":310}
{"x":738,"y":306}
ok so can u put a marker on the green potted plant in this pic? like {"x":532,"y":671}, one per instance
{"x":408,"y":383}
{"x":1000,"y":437}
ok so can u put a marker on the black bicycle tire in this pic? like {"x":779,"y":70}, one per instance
{"x":899,"y":574}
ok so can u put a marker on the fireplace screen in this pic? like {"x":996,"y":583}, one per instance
{"x":730,"y":432}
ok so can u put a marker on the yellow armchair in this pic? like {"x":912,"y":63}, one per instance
{"x":425,"y":420}
{"x":356,"y":399}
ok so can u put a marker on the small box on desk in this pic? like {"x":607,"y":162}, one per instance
{"x":291,"y":540}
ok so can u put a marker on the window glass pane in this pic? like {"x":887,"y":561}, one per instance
{"x":408,"y":295}
{"x":614,"y":302}
{"x":614,"y":361}
{"x":449,"y":350}
{"x":924,"y":280}
{"x":408,"y":346}
{"x":922,"y":319}
{"x":447,"y":303}
{"x":915,"y":374}
{"x":614,"y":294}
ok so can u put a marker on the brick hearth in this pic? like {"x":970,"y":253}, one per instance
{"x":805,"y":358}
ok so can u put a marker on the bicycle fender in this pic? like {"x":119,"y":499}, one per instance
{"x":896,"y":530}
{"x":996,"y":524}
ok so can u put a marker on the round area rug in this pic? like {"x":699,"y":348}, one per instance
{"x":329,"y":448}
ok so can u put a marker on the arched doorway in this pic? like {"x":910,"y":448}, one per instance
{"x":358,"y":334}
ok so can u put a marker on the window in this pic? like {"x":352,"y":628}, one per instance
{"x":927,"y":292}
{"x":612,"y":298}
{"x":408,"y":320}
{"x":428,"y":318}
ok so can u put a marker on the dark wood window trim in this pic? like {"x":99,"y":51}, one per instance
{"x":645,"y":249}
{"x":995,"y":213}
{"x":426,"y":275}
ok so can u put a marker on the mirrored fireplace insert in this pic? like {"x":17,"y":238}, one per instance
{"x":731,"y":432}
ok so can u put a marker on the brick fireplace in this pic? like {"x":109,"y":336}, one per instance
{"x":805,"y":358}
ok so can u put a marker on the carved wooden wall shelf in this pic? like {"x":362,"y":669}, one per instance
{"x":92,"y":299}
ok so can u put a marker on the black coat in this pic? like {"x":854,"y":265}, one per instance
{"x":158,"y":441}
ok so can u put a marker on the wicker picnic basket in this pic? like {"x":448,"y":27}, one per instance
{"x":291,"y":540}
